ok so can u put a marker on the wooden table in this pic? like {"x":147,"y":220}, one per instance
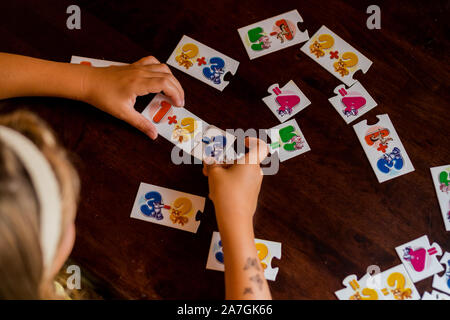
{"x":326,"y":207}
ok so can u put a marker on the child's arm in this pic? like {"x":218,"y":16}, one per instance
{"x":112,"y":89}
{"x":234,"y":191}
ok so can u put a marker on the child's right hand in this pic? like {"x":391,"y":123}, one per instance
{"x":115,"y":89}
{"x":234,"y":189}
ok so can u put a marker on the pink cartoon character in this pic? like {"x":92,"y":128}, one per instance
{"x":299,"y":143}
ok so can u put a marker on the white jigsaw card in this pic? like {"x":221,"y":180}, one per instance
{"x":214,"y":144}
{"x":443,"y":282}
{"x":352,"y":102}
{"x":176,"y":124}
{"x":168,"y":207}
{"x":335,"y":55}
{"x":288,"y":140}
{"x":383,"y":148}
{"x":392,"y":284}
{"x":420,"y":258}
{"x":441,"y":181}
{"x":272,"y":34}
{"x":287,"y":101}
{"x":267,"y":250}
{"x":95,"y":62}
{"x":202,"y":62}
{"x":435,"y":295}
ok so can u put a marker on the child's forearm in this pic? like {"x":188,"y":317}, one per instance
{"x":24,"y":76}
{"x":244,"y":275}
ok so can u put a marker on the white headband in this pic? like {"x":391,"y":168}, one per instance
{"x":46,"y":187}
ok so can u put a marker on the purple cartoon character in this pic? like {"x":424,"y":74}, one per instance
{"x":215,"y":70}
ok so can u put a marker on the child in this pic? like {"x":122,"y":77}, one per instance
{"x":39,"y":187}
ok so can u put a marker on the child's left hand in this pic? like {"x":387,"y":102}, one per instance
{"x":115,"y":89}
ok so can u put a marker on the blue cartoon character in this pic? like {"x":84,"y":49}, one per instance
{"x":214,"y":146}
{"x":390,"y":160}
{"x":448,"y":274}
{"x":154,"y":205}
{"x":215,"y":70}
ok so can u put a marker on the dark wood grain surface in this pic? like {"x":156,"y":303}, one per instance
{"x":326,"y":207}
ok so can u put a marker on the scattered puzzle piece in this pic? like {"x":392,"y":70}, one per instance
{"x":441,"y":181}
{"x":353,"y":102}
{"x":336,"y":55}
{"x":168,"y":207}
{"x":443,"y":282}
{"x":272,"y":34}
{"x":288,"y":140}
{"x":287,"y":101}
{"x":267,"y":250}
{"x":419,"y":258}
{"x":202,"y":62}
{"x":383,"y":148}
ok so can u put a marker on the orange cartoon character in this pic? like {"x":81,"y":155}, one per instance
{"x":188,"y":52}
{"x":348,"y":60}
{"x":316,"y":49}
{"x":181,"y":208}
{"x":378,"y":137}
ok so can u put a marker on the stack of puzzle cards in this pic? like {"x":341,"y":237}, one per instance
{"x":168,"y":207}
{"x":352,"y":102}
{"x":288,"y":140}
{"x":392,"y":284}
{"x":187,"y":131}
{"x":441,"y":181}
{"x":383,"y":148}
{"x":267,"y":250}
{"x":95,"y":62}
{"x":335,"y":55}
{"x":272,"y":34}
{"x":202,"y":62}
{"x":287,"y":101}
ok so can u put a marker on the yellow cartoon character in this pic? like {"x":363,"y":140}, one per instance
{"x":188,"y":52}
{"x":316,"y":49}
{"x":348,"y":60}
{"x":341,"y":67}
{"x":181,"y":209}
{"x":180,"y":134}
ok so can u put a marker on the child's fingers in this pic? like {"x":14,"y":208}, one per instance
{"x":146,"y":61}
{"x":258,"y":151}
{"x":138,"y":121}
{"x":166,"y":83}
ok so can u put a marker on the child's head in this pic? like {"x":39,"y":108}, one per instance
{"x":29,"y":259}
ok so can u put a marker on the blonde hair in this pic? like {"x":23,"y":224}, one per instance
{"x":21,"y":266}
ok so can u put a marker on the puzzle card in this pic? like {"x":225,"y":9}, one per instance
{"x":288,"y":140}
{"x":267,"y":250}
{"x":420,"y":258}
{"x":441,"y":181}
{"x":357,"y":289}
{"x":95,"y":62}
{"x":392,"y":284}
{"x":352,"y":102}
{"x":168,"y":207}
{"x":435,"y":295}
{"x":272,"y":34}
{"x":383,"y":148}
{"x":215,"y":143}
{"x":443,"y":282}
{"x":335,"y":55}
{"x":397,"y":285}
{"x":176,"y":124}
{"x":202,"y":62}
{"x":287,"y":101}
